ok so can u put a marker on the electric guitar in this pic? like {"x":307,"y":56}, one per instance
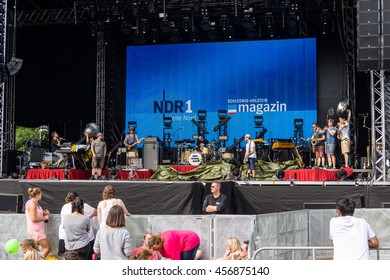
{"x":131,"y":145}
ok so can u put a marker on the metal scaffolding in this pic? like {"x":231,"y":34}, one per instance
{"x":100,"y":80}
{"x":378,"y":131}
{"x":3,"y":40}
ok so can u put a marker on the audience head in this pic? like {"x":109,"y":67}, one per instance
{"x":345,"y":206}
{"x":71,"y":196}
{"x":156,"y":243}
{"x":116,"y":217}
{"x":43,"y":164}
{"x":28,"y":244}
{"x":244,"y":250}
{"x":215,"y":187}
{"x":145,"y":255}
{"x":234,"y":244}
{"x":146,"y":239}
{"x":78,"y":205}
{"x":71,"y":255}
{"x":32,"y":254}
{"x":33,"y":192}
{"x":108,"y":192}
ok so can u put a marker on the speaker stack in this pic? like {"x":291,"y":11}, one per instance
{"x":151,"y":151}
{"x":373,"y":35}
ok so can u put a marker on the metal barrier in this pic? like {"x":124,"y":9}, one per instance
{"x":312,"y":249}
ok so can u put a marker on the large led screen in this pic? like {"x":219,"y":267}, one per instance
{"x":274,"y":79}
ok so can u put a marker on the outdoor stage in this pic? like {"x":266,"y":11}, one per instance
{"x":183,"y":192}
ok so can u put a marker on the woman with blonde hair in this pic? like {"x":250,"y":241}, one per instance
{"x":113,"y":240}
{"x":36,"y":218}
{"x":233,"y":249}
{"x":32,"y":254}
{"x":105,"y":205}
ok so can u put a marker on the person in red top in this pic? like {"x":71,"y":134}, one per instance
{"x":176,"y":244}
{"x":145,"y":246}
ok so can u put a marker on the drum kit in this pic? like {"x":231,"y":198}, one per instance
{"x":195,"y":156}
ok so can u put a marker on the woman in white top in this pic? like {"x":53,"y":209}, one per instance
{"x":89,"y":211}
{"x":105,"y":205}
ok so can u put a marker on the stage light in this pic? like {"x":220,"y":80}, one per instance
{"x":205,"y":24}
{"x":251,"y":33}
{"x":292,"y":23}
{"x":202,"y":114}
{"x":298,"y":123}
{"x":164,"y":26}
{"x":132,"y":124}
{"x":280,"y":174}
{"x":126,"y":28}
{"x":195,"y":35}
{"x":154,"y":35}
{"x":175,"y":35}
{"x":212,"y":34}
{"x":341,"y":174}
{"x":137,"y":37}
{"x":135,"y":8}
{"x":324,"y":21}
{"x":222,"y":114}
{"x":224,"y":22}
{"x":114,"y":173}
{"x":247,"y":22}
{"x":167,"y":122}
{"x":23,"y":173}
{"x":269,"y":21}
{"x":258,"y":120}
{"x":186,"y":24}
{"x":14,"y":66}
{"x":66,"y":173}
{"x":144,"y":26}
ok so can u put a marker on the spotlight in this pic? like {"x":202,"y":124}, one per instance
{"x":280,"y":174}
{"x":144,"y":26}
{"x":132,"y":124}
{"x":258,"y":121}
{"x":164,"y":26}
{"x":66,"y":173}
{"x":269,"y":21}
{"x":167,"y":122}
{"x":205,"y":24}
{"x":154,"y":35}
{"x":298,"y":123}
{"x":195,"y":35}
{"x":14,"y":66}
{"x":251,"y":33}
{"x":126,"y":28}
{"x":212,"y":34}
{"x":224,"y":22}
{"x":186,"y":24}
{"x":247,"y":22}
{"x":324,"y":21}
{"x":175,"y":35}
{"x":202,"y":114}
{"x":23,"y":173}
{"x":292,"y":22}
{"x":341,"y":174}
{"x":113,"y":173}
{"x":222,"y":114}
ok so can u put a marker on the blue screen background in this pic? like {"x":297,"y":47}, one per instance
{"x":241,"y":77}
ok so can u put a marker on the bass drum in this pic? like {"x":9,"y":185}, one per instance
{"x":195,"y":159}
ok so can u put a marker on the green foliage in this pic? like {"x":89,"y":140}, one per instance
{"x":25,"y":133}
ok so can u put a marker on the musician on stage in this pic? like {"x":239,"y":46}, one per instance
{"x":202,"y":142}
{"x":55,"y":145}
{"x":250,"y":157}
{"x":131,"y":140}
{"x":318,"y":141}
{"x":345,"y":143}
{"x":330,"y":143}
{"x":99,"y":151}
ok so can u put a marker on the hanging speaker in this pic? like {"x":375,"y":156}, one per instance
{"x":14,"y":66}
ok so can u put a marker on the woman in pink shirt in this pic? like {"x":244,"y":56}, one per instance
{"x":176,"y":244}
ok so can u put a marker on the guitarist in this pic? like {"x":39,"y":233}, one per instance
{"x":131,"y":140}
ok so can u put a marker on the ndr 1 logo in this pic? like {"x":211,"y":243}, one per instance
{"x":172,"y":106}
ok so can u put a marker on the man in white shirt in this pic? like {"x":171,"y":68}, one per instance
{"x":352,"y":237}
{"x":250,"y":157}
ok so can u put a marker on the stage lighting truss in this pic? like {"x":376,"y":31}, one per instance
{"x":298,"y":123}
{"x":202,"y":114}
{"x":222,"y":114}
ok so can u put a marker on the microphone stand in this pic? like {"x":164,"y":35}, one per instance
{"x":176,"y":136}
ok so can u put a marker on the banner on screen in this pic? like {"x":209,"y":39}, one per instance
{"x":273,"y":79}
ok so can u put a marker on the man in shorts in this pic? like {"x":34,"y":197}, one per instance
{"x":99,"y":151}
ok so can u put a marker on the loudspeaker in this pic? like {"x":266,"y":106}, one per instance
{"x":11,"y":203}
{"x":150,"y":154}
{"x":36,"y":154}
{"x":121,"y":159}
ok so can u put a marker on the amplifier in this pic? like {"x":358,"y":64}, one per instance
{"x":283,"y":145}
{"x":11,"y":203}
